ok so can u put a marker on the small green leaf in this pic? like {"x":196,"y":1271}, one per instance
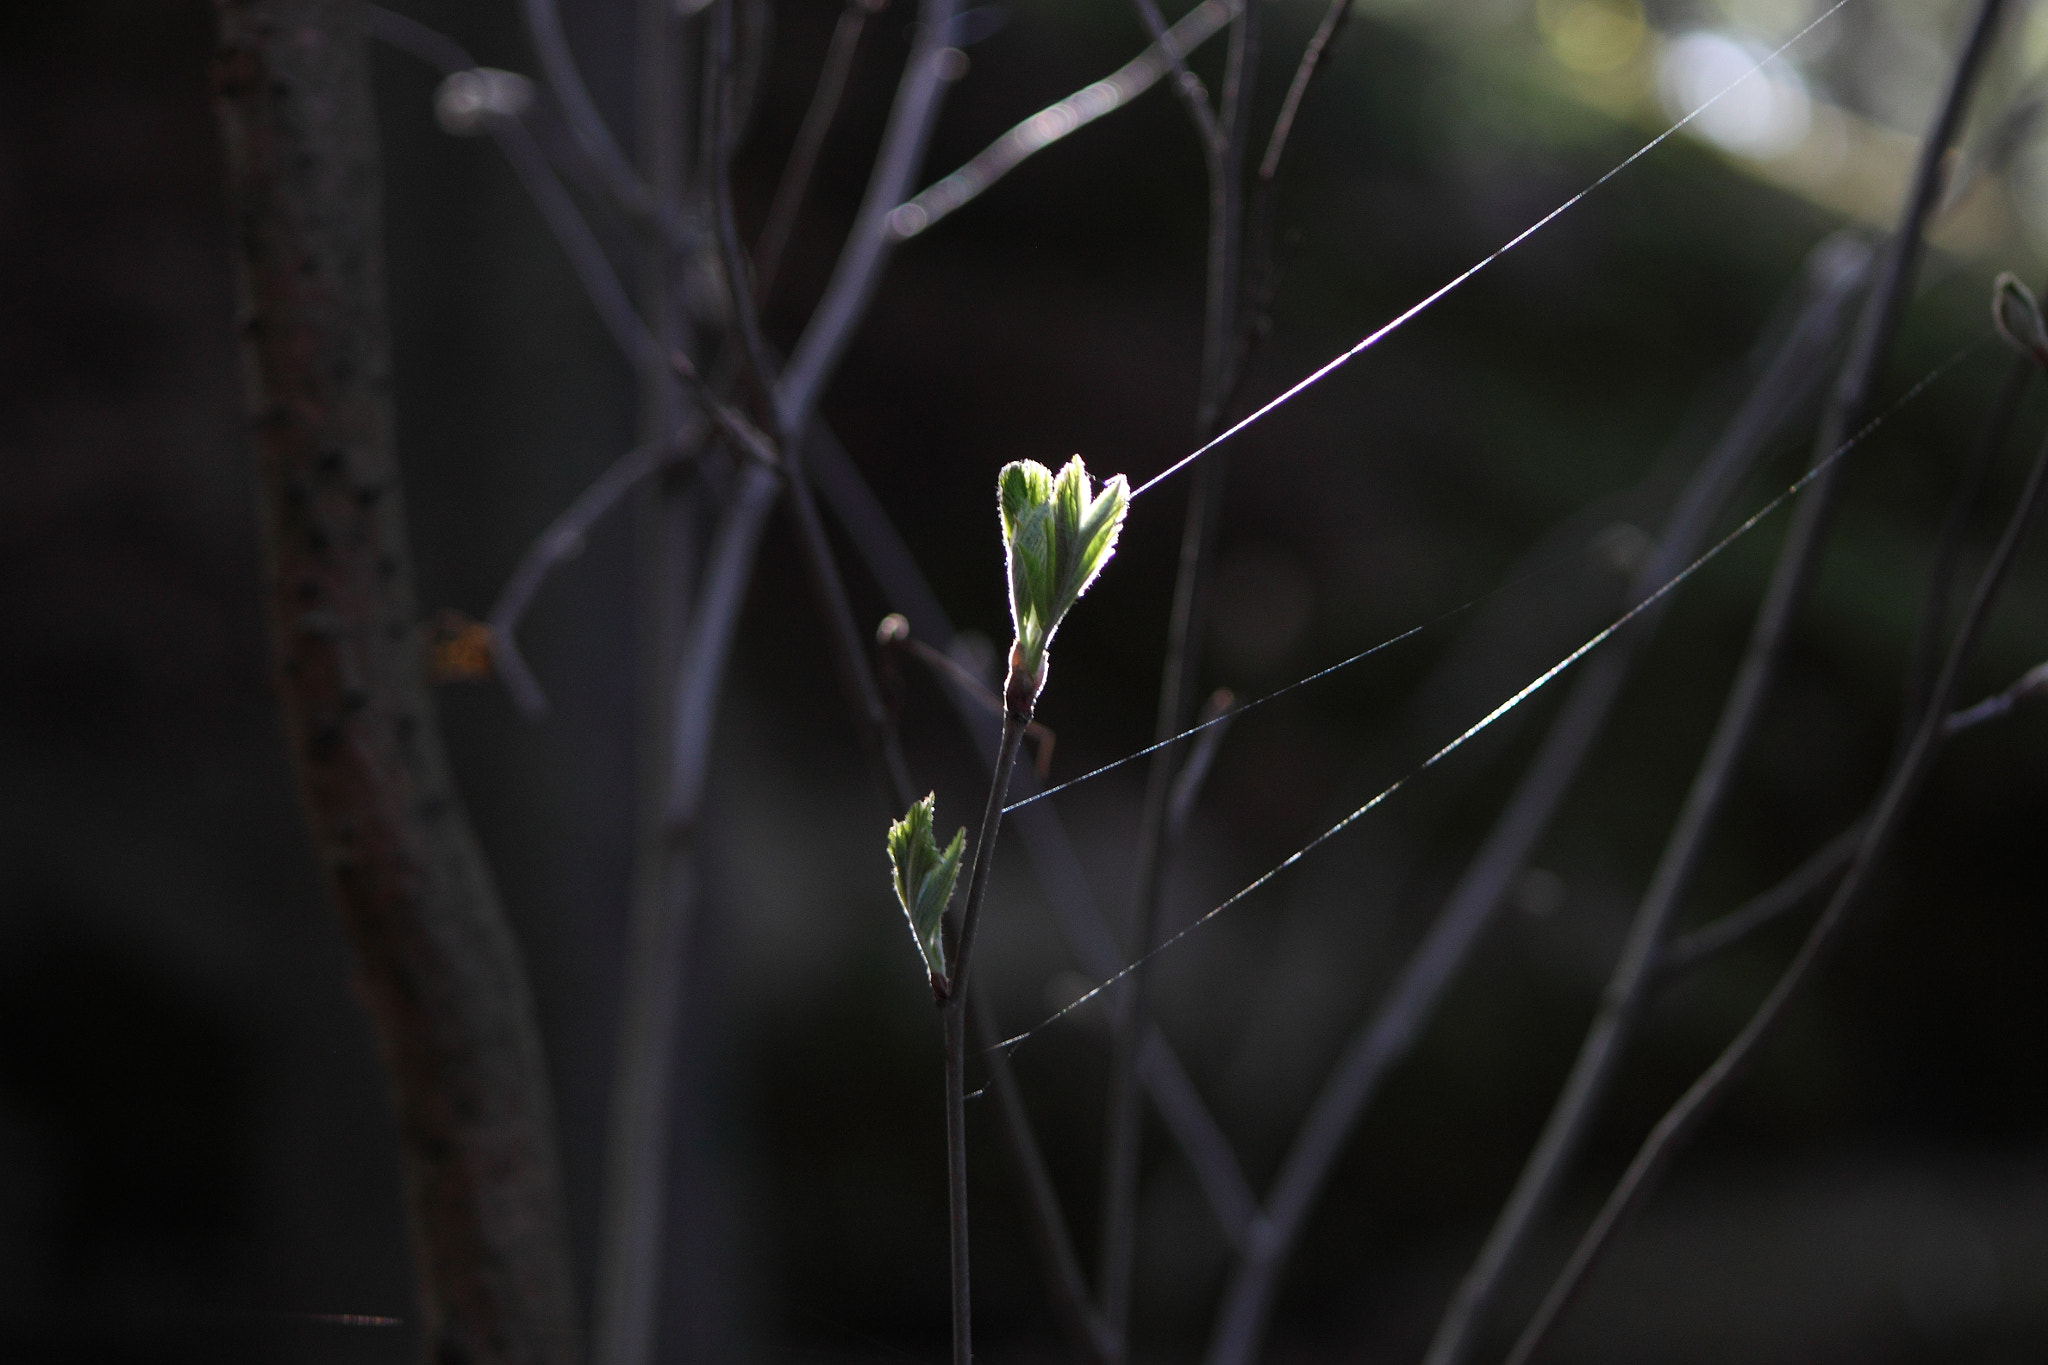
{"x":924,"y":879}
{"x":1057,"y":534}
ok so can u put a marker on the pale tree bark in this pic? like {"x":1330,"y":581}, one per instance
{"x":435,"y":962}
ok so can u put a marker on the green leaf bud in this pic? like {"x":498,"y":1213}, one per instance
{"x":924,"y":881}
{"x":1058,"y":532}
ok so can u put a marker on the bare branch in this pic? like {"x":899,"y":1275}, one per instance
{"x":1786,"y":372}
{"x":1056,"y":121}
{"x":586,"y":257}
{"x":1186,"y":84}
{"x":562,"y":541}
{"x":810,"y":140}
{"x":437,"y":967}
{"x":1692,"y":1109}
{"x":2032,"y":683}
{"x":1311,"y":62}
{"x":593,"y":138}
{"x":1717,"y":936}
{"x":1635,"y":972}
{"x":859,"y":268}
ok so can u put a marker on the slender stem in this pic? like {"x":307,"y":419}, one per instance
{"x":586,"y":126}
{"x":859,"y":269}
{"x":1635,"y":972}
{"x":562,"y":541}
{"x":1684,"y":1118}
{"x":1224,"y":143}
{"x":1048,"y":1225}
{"x":2032,"y":683}
{"x":1060,"y":119}
{"x":1186,"y":84}
{"x":1683,"y":954}
{"x":586,"y":257}
{"x":1304,"y":72}
{"x":810,"y":140}
{"x":1045,"y":839}
{"x":952,"y":1012}
{"x":647,"y":1095}
{"x":959,"y":1279}
{"x":1787,"y":369}
{"x":732,"y":255}
{"x":1949,"y":543}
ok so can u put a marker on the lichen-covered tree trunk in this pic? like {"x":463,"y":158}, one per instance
{"x":435,"y":962}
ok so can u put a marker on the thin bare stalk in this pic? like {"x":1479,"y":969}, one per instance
{"x":1224,"y":141}
{"x":1688,"y":951}
{"x":1635,"y":971}
{"x":1787,"y":371}
{"x":867,"y":247}
{"x":586,"y":126}
{"x":2033,"y":683}
{"x":1948,"y":543}
{"x":1042,"y":1202}
{"x":562,"y":541}
{"x":1186,"y":84}
{"x":665,"y":906}
{"x":1038,"y":826}
{"x":810,"y":140}
{"x":516,"y":141}
{"x":1685,"y":1117}
{"x":952,"y":1013}
{"x":1059,"y":119}
{"x":1304,"y":72}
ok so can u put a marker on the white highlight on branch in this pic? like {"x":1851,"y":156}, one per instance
{"x":1416,"y":310}
{"x":1541,"y":681}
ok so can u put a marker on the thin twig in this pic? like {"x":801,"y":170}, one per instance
{"x":1224,"y":144}
{"x":1042,"y":1202}
{"x":1187,"y":787}
{"x":952,"y":1011}
{"x":961,"y":676}
{"x":1635,"y":971}
{"x":1786,"y":371}
{"x":1304,"y":72}
{"x":2032,"y":683}
{"x":649,"y":1083}
{"x":586,"y":126}
{"x":955,"y":190}
{"x":1948,"y":544}
{"x":563,"y":540}
{"x":810,"y":140}
{"x":1684,"y":1117}
{"x":732,"y":255}
{"x":516,"y":141}
{"x":1186,"y":84}
{"x":867,"y":247}
{"x":1684,"y":953}
{"x":1710,"y":940}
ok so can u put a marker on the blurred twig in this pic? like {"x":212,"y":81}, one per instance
{"x":1908,"y":772}
{"x":1785,"y":374}
{"x":1635,"y":972}
{"x":1055,"y":121}
{"x":810,"y":140}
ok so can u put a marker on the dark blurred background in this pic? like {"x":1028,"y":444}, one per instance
{"x":196,"y":1156}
